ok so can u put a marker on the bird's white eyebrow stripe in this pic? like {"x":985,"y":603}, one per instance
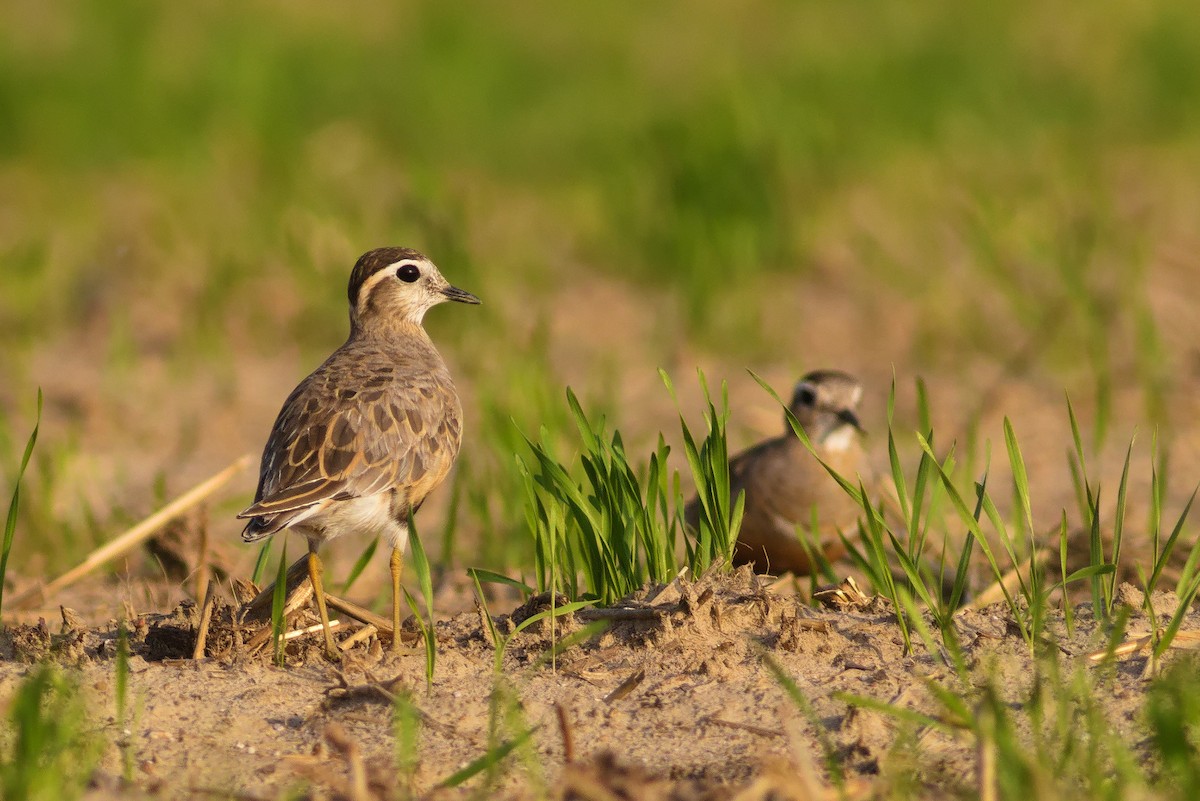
{"x":380,"y":275}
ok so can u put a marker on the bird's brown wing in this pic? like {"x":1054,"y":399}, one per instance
{"x":336,"y":441}
{"x":791,"y":491}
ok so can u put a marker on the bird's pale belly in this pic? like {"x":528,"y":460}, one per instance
{"x":370,"y":516}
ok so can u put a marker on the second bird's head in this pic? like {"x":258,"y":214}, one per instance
{"x":398,"y":284}
{"x":825,"y":402}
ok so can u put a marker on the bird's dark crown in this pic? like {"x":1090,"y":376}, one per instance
{"x":829,"y":390}
{"x":372,"y":262}
{"x":829,"y":377}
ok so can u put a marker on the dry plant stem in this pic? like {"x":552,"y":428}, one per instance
{"x":341,"y":741}
{"x":327,"y":777}
{"x":296,"y":634}
{"x":733,"y":724}
{"x":365,"y":633}
{"x":373,"y":689}
{"x":672,"y":592}
{"x":994,"y":593}
{"x":1128,"y":648}
{"x":397,"y":566}
{"x":1135,"y":643}
{"x":564,"y":727}
{"x":136,"y":535}
{"x":314,"y":576}
{"x":625,"y":613}
{"x":242,"y":591}
{"x":299,"y":590}
{"x":359,"y":613}
{"x":626,"y":687}
{"x":220,"y":792}
{"x":261,"y":636}
{"x":210,"y":597}
{"x":202,"y":569}
{"x":367,"y":616}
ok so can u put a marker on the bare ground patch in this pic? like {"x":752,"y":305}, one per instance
{"x":671,"y":701}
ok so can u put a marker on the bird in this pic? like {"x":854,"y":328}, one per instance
{"x":362,"y":441}
{"x":787,"y":489}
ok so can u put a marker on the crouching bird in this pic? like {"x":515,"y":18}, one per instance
{"x":787,"y":489}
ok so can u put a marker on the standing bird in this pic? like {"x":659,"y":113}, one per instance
{"x":361,"y":442}
{"x":787,"y":488}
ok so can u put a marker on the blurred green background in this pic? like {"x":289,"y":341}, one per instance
{"x":999,"y":197}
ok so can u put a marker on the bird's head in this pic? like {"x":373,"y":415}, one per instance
{"x":389,"y":285}
{"x":825,"y":402}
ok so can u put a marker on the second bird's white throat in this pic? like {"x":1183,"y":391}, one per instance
{"x":840,"y":439}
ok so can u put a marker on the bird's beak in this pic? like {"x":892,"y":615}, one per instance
{"x":849,"y":418}
{"x":459,"y":295}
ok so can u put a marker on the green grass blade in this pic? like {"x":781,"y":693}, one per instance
{"x":450,"y":527}
{"x":428,"y":636}
{"x":278,"y":601}
{"x":1181,"y":611}
{"x":1096,"y":553}
{"x":552,"y":612}
{"x":581,"y":635}
{"x":1118,"y":529}
{"x":1063,"y":548}
{"x":260,"y":563}
{"x":51,"y":748}
{"x":1172,"y":712}
{"x":1032,"y":585}
{"x":483,"y":575}
{"x":962,"y":569}
{"x":974,"y":529}
{"x":898,"y":480}
{"x":406,"y":731}
{"x":489,"y":760}
{"x":900,"y":713}
{"x":360,"y":564}
{"x":421,"y":566}
{"x":1088,"y":572}
{"x":833,"y":762}
{"x":1169,"y":546}
{"x":1157,"y":492}
{"x":121,"y":700}
{"x":924,"y":416}
{"x":1020,"y":476}
{"x":493,"y":634}
{"x":425,"y":581}
{"x":10,"y":522}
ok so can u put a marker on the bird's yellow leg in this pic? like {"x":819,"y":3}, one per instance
{"x":314,"y":576}
{"x":397,"y":565}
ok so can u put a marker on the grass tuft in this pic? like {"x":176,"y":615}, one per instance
{"x":611,"y":527}
{"x":719,"y":514}
{"x":607,"y":534}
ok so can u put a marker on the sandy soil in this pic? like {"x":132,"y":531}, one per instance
{"x":674,"y":702}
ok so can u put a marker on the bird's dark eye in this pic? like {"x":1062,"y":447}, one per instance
{"x":804,"y":396}
{"x":408,"y":273}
